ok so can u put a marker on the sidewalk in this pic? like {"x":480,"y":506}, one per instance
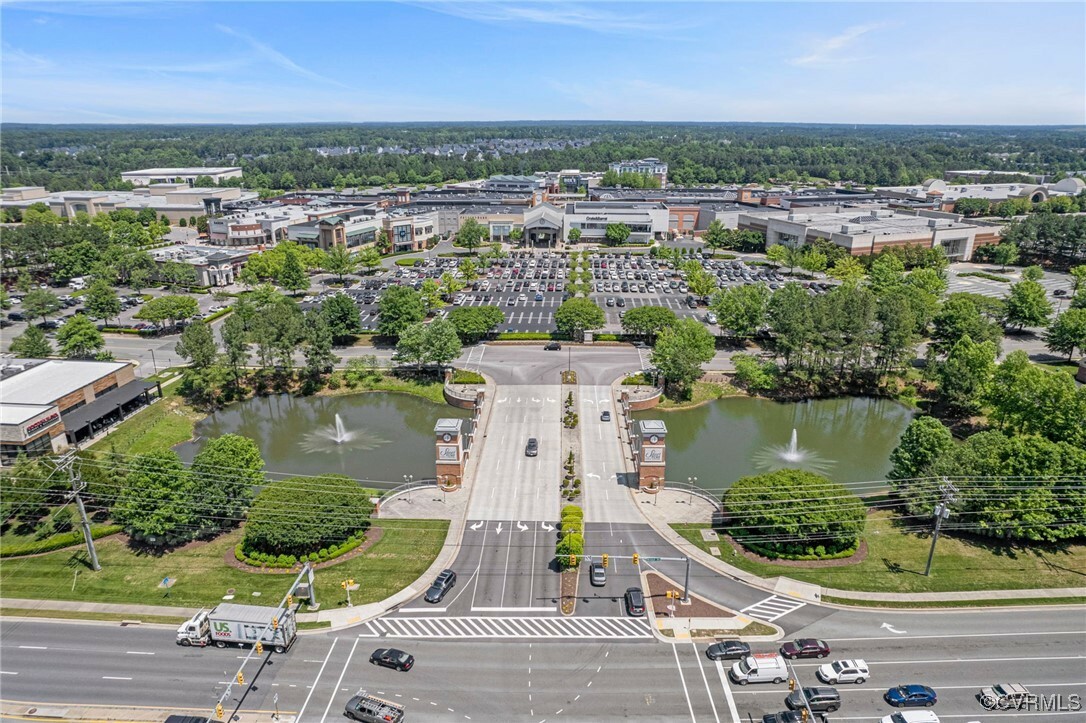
{"x":21,"y":710}
{"x":673,"y":506}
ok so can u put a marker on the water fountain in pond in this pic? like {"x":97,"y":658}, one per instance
{"x":336,"y":437}
{"x":791,"y":456}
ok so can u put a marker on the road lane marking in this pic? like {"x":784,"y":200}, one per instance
{"x":32,"y":647}
{"x":8,"y":672}
{"x":956,"y":660}
{"x":114,"y":677}
{"x":340,"y":681}
{"x":678,"y":666}
{"x":705,"y":679}
{"x":316,"y":680}
{"x":961,"y":635}
{"x":137,"y":652}
{"x":728,"y":692}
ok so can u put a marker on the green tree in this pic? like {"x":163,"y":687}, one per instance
{"x":716,"y":236}
{"x":292,"y":276}
{"x":1067,"y":332}
{"x":790,"y":318}
{"x":430,"y":293}
{"x":468,"y":270}
{"x":442,"y":342}
{"x":1033,"y":273}
{"x":700,"y":282}
{"x":772,"y":514}
{"x":411,"y":345}
{"x":574,"y":235}
{"x":1029,"y":399}
{"x":226,"y":472}
{"x":450,"y":284}
{"x":369,"y":258}
{"x":168,"y":308}
{"x":568,"y":549}
{"x":74,"y":260}
{"x":617,"y":233}
{"x":847,"y":269}
{"x":1004,"y":254}
{"x":1027,"y":305}
{"x":887,"y":272}
{"x":923,"y":442}
{"x":680,"y":351}
{"x":235,"y":342}
{"x":741,"y":309}
{"x":341,"y":510}
{"x":80,"y":338}
{"x":755,"y":375}
{"x":342,"y":316}
{"x":778,"y":254}
{"x":319,"y":358}
{"x":813,"y":260}
{"x":647,"y":321}
{"x":399,"y":307}
{"x":197,"y":346}
{"x":101,"y":301}
{"x":157,"y":503}
{"x":1078,"y":278}
{"x":964,"y":377}
{"x":470,"y":234}
{"x":971,"y":315}
{"x":40,"y":303}
{"x":972,"y":206}
{"x":339,"y":261}
{"x":576,"y":316}
{"x":474,"y":322}
{"x":31,"y":344}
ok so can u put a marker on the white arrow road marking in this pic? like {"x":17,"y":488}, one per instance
{"x":592,"y":475}
{"x":477,"y":525}
{"x":547,"y":527}
{"x":503,"y":400}
{"x":521,"y":527}
{"x":518,"y":400}
{"x":499,"y":530}
{"x":551,"y":400}
{"x":537,"y":401}
{"x":894,"y":630}
{"x":589,"y":401}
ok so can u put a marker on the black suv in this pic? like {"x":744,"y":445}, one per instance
{"x":819,"y":698}
{"x":635,"y":602}
{"x":533,"y":447}
{"x":441,"y":585}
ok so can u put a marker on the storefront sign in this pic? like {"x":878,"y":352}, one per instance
{"x":42,"y":423}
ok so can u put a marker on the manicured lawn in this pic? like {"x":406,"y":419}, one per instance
{"x":428,"y":388}
{"x":895,"y":563}
{"x":80,"y":615}
{"x":160,"y":426}
{"x":703,"y":392}
{"x":203,"y":577}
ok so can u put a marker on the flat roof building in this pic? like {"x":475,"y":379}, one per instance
{"x":148,"y":176}
{"x":645,"y":166}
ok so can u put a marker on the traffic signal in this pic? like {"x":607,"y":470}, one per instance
{"x":669,"y":594}
{"x":636,"y":559}
{"x":343,"y":584}
{"x":259,"y":648}
{"x":791,"y":684}
{"x":605,"y":559}
{"x":804,"y":715}
{"x":241,"y":678}
{"x":290,"y":600}
{"x":275,"y":623}
{"x":573,"y":561}
{"x":218,"y":711}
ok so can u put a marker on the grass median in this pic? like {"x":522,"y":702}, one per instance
{"x":895,"y":563}
{"x":202,"y":576}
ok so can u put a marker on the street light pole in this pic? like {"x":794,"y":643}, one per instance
{"x":686,"y":583}
{"x":153,"y":362}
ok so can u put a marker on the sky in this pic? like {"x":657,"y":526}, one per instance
{"x":86,"y":61}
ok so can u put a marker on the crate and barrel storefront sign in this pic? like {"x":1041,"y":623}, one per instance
{"x":38,"y":425}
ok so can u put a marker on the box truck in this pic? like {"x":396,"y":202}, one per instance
{"x":240,"y":626}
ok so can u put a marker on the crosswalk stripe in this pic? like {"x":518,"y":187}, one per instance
{"x":772,"y":608}
{"x":512,"y":628}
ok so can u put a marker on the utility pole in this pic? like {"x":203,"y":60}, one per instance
{"x":78,"y":485}
{"x":942,"y":511}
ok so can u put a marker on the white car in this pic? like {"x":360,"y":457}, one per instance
{"x":1005,"y":696}
{"x":911,"y":716}
{"x":844,"y":671}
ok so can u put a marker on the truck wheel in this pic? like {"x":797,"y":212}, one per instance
{"x":742,"y":682}
{"x":280,"y":649}
{"x":220,"y":643}
{"x":778,"y":681}
{"x":185,"y":642}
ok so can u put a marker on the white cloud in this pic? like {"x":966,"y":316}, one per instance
{"x":554,"y":13}
{"x":270,"y":54}
{"x":829,"y":50}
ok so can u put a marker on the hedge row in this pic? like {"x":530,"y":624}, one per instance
{"x":528,"y":336}
{"x":406,"y":262}
{"x":217,"y":315}
{"x":817,"y":552}
{"x":984,"y":275}
{"x":57,"y":542}
{"x":263,"y":559}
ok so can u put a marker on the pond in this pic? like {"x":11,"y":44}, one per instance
{"x":848,"y":439}
{"x":378,"y":436}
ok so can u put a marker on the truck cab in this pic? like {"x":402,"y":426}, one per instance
{"x":196,"y":631}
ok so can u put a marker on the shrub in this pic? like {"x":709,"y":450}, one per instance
{"x":62,"y":519}
{"x":572,"y":511}
{"x":57,"y":542}
{"x":529,"y":336}
{"x":572,"y":544}
{"x":463,"y":376}
{"x":336,"y":509}
{"x":776,"y":510}
{"x":239,"y":552}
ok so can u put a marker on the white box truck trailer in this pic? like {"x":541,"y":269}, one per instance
{"x":240,"y":626}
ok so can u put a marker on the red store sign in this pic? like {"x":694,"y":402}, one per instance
{"x":42,"y":423}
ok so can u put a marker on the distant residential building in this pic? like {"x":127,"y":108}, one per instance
{"x":149,"y":176}
{"x":51,"y":404}
{"x":213,"y":266}
{"x":645,"y":166}
{"x":516,"y":184}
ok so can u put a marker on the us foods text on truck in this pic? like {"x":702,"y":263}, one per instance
{"x":241,"y":626}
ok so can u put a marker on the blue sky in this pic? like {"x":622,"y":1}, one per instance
{"x":243,"y":62}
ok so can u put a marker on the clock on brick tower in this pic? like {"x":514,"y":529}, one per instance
{"x":651,"y":457}
{"x":450,"y":452}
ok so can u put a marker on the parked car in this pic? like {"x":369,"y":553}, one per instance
{"x":911,"y":696}
{"x":392,"y":658}
{"x":552,"y":346}
{"x":818,"y":698}
{"x":598,"y":574}
{"x":533,"y":447}
{"x":728,"y":650}
{"x":635,"y":602}
{"x":844,"y":671}
{"x":441,"y":585}
{"x":805,"y":648}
